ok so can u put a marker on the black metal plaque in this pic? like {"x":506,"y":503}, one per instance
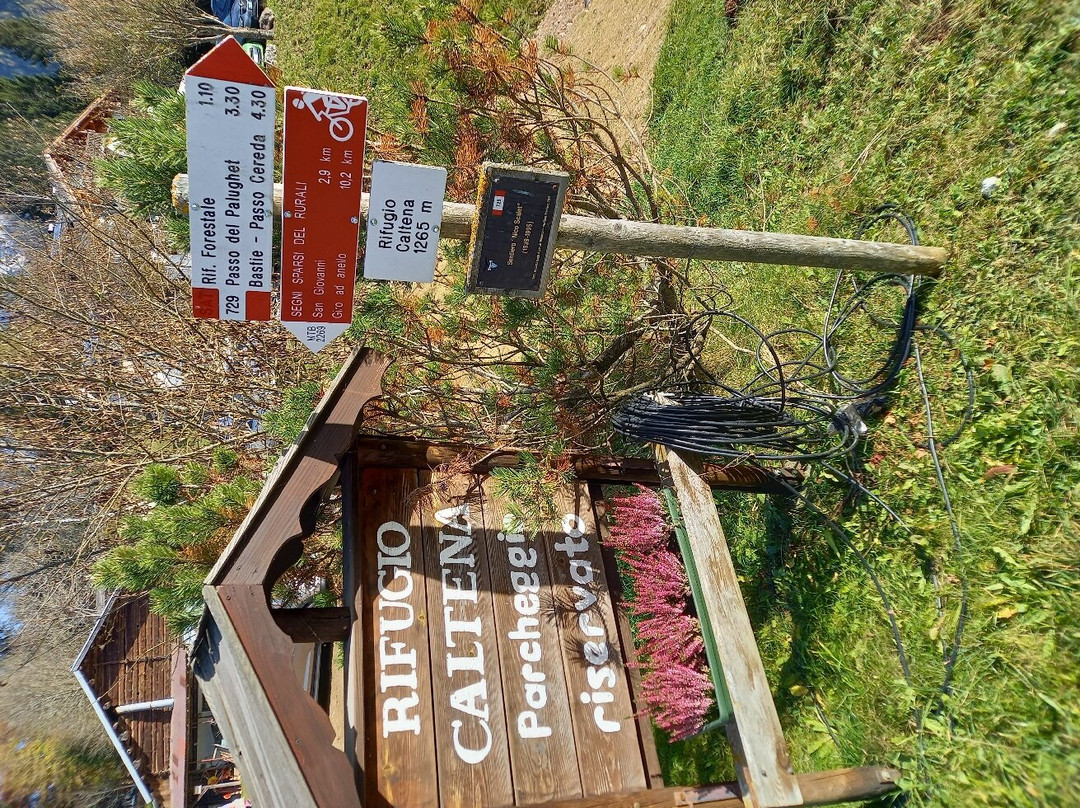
{"x":518,"y":218}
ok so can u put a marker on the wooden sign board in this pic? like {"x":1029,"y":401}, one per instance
{"x":495,"y":659}
{"x":404,"y":216}
{"x":230,"y":150}
{"x":323,"y":145}
{"x":518,"y":218}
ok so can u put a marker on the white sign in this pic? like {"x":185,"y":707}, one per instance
{"x":404,"y":215}
{"x":230,"y":143}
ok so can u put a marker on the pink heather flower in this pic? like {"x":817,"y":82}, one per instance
{"x":676,"y":686}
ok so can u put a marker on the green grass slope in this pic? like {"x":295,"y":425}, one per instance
{"x":802,"y":118}
{"x":375,"y":49}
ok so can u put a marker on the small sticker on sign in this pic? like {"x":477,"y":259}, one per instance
{"x":499,"y":203}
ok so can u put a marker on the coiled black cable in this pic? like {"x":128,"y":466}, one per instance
{"x":804,"y":409}
{"x":726,"y":427}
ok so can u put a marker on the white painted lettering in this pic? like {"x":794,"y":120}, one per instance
{"x":535,"y":696}
{"x":527,"y":603}
{"x":525,"y":581}
{"x":396,"y":718}
{"x":386,"y":624}
{"x":596,"y":652}
{"x":394,"y":527}
{"x":471,"y":756}
{"x":399,"y":594}
{"x":528,"y":726}
{"x":581,"y":571}
{"x":521,"y":558}
{"x":471,"y":699}
{"x":457,"y":591}
{"x":474,"y":663}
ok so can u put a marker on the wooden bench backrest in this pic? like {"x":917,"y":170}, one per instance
{"x":494,"y":673}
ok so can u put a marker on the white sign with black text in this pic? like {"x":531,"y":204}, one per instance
{"x":230,"y":148}
{"x":404,"y":215}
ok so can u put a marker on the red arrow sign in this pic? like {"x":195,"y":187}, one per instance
{"x":323,"y":167}
{"x":228,"y":61}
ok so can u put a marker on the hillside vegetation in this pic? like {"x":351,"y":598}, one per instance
{"x":804,"y":117}
{"x":943,"y":639}
{"x":376,"y":50}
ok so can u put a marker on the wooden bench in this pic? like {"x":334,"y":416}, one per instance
{"x":482,"y":668}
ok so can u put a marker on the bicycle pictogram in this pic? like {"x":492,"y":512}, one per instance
{"x":332,"y":108}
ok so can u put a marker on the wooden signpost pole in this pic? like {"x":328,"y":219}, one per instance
{"x":648,"y":239}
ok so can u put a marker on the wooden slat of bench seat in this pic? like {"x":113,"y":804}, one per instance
{"x":542,"y":754}
{"x":818,"y":788}
{"x":472,"y":751}
{"x":400,"y":749}
{"x":605,"y":730}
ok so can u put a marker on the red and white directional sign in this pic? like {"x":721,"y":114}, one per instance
{"x":323,"y":165}
{"x":230,"y":143}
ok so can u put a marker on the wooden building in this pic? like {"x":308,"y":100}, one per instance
{"x":70,"y":157}
{"x":135,"y":675}
{"x":483,"y":666}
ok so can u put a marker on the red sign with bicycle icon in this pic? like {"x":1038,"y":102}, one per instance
{"x":323,"y":146}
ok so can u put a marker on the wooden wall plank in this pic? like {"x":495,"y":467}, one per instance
{"x":542,"y":755}
{"x":771,"y":778}
{"x":606,"y":733}
{"x":129,"y":659}
{"x":473,"y":756}
{"x":178,"y":731}
{"x":401,"y":754}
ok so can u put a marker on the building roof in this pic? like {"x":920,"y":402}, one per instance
{"x":128,"y":659}
{"x":69,"y":157}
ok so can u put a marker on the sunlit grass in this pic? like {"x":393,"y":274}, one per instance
{"x":803,"y":118}
{"x":372,"y":49}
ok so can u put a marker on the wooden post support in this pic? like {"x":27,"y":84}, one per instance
{"x":761,"y":752}
{"x":394,"y":452}
{"x":351,"y":572}
{"x":329,"y":624}
{"x":649,"y":239}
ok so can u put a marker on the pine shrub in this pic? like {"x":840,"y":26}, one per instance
{"x":159,"y":484}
